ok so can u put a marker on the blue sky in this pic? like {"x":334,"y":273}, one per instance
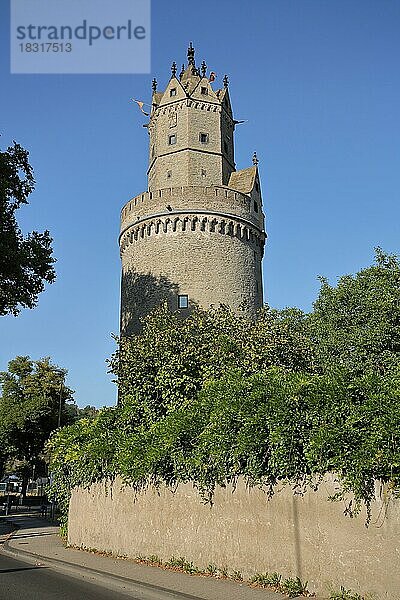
{"x":319,"y":83}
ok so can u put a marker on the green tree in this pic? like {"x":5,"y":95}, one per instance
{"x":87,"y":412}
{"x":25,"y":262}
{"x":356,"y":324}
{"x":33,"y":400}
{"x":73,"y":412}
{"x":168,"y":363}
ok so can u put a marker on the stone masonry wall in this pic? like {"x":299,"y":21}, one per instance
{"x":210,"y":268}
{"x":206,"y":242}
{"x":207,"y":198}
{"x":186,"y":120}
{"x":304,"y":536}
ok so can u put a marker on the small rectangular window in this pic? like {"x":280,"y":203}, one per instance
{"x":183,"y":301}
{"x":169,"y":174}
{"x":255,"y":206}
{"x":203,"y":173}
{"x":172,"y":139}
{"x":204,"y":91}
{"x":172,"y":92}
{"x":203,"y":137}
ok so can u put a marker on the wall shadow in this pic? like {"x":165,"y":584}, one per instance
{"x":141,"y":293}
{"x":296,"y":536}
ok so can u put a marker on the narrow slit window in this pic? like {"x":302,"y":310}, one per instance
{"x":183,"y":301}
{"x":169,"y":174}
{"x":255,"y":206}
{"x":172,"y":139}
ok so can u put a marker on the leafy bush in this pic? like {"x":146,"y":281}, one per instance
{"x":284,"y":399}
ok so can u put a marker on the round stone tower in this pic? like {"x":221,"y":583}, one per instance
{"x":196,"y":237}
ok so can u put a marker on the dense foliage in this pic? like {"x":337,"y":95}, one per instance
{"x":33,"y":399}
{"x":357,"y":323}
{"x":285,"y":399}
{"x":26,"y":263}
{"x":170,"y":361}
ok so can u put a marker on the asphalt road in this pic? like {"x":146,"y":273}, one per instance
{"x":20,"y":580}
{"x":24,"y":581}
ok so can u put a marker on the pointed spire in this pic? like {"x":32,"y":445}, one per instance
{"x":203,"y":68}
{"x":255,"y":159}
{"x":226,"y":81}
{"x":190,"y":55}
{"x":173,"y":69}
{"x":154,"y":85}
{"x":182,"y":72}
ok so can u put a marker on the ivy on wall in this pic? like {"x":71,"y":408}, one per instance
{"x":285,"y":399}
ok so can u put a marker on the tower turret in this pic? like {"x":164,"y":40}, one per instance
{"x":196,"y":237}
{"x":191,"y":131}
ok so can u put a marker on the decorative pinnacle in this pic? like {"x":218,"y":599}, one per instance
{"x":203,"y":68}
{"x":154,"y":85}
{"x":173,"y":69}
{"x":182,"y":72}
{"x":255,"y":159}
{"x":190,"y":54}
{"x":226,"y":81}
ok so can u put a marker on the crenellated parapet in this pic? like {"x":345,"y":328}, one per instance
{"x":217,"y":199}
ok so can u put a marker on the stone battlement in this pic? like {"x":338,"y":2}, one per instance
{"x":212,"y":199}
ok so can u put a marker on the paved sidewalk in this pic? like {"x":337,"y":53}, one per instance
{"x":37,"y":540}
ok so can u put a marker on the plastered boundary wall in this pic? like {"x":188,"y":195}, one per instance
{"x":305,"y":535}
